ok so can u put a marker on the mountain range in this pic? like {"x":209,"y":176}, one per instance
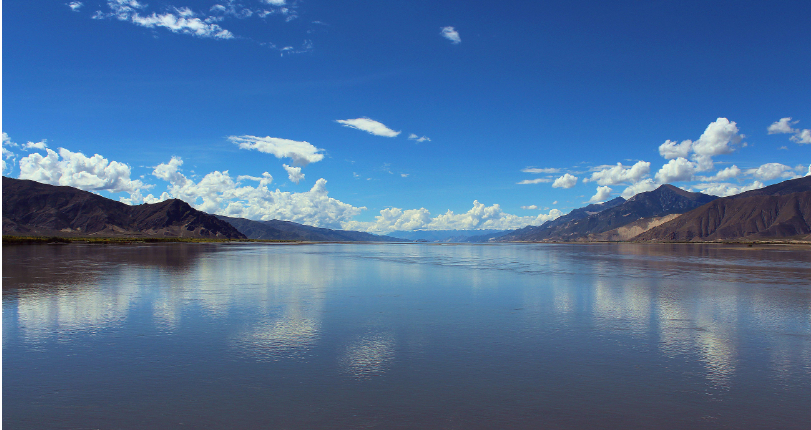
{"x":288,"y":230}
{"x":34,"y":209}
{"x":595,"y":219}
{"x":779,"y":211}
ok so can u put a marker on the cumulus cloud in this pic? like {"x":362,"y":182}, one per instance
{"x":36,"y":145}
{"x":802,"y":136}
{"x":418,"y":139}
{"x":639,"y":187}
{"x":722,"y":175}
{"x":603,"y":193}
{"x":720,"y":137}
{"x":534,"y":181}
{"x":727,"y":189}
{"x":782,"y":126}
{"x":540,"y":170}
{"x":368,"y":125}
{"x":302,"y":153}
{"x":565,"y":181}
{"x":620,"y":174}
{"x":477,"y":218}
{"x":218,"y":193}
{"x":75,"y":5}
{"x":451,"y":34}
{"x":74,"y":169}
{"x":293,"y":173}
{"x":8,"y":154}
{"x":679,"y":169}
{"x":770,"y":171}
{"x":671,"y":149}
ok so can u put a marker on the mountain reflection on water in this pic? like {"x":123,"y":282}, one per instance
{"x":460,"y":321}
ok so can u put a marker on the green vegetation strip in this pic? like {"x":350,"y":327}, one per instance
{"x":12,"y":240}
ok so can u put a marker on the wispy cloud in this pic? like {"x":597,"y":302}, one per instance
{"x":302,"y":153}
{"x":418,"y":139}
{"x":451,"y":34}
{"x":368,"y":125}
{"x":183,"y":20}
{"x":75,"y":5}
{"x":534,"y":181}
{"x":540,"y":170}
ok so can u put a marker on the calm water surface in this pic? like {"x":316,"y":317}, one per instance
{"x":406,"y":336}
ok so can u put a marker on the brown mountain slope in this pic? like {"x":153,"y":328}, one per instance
{"x":33,"y":208}
{"x":755,"y":217}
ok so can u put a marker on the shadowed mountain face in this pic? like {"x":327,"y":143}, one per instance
{"x":665,"y":200}
{"x":287,"y":230}
{"x":32,"y":208}
{"x":780,"y":211}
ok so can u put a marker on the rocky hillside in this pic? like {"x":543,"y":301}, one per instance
{"x":780,"y":211}
{"x":32,"y":208}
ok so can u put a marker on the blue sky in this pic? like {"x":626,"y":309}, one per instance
{"x":404,"y":115}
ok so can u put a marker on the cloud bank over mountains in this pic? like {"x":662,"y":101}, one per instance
{"x":251,"y":197}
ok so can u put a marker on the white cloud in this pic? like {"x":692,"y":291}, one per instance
{"x":679,"y":169}
{"x":802,"y":136}
{"x":770,"y":171}
{"x":368,"y":125}
{"x":451,"y":34}
{"x":293,"y":173}
{"x":36,"y":145}
{"x":809,"y":170}
{"x":782,"y":126}
{"x":726,"y":189}
{"x":404,"y":175}
{"x":603,"y":193}
{"x":620,"y":174}
{"x":477,"y":218}
{"x":75,"y":5}
{"x":8,"y":154}
{"x":183,"y":20}
{"x":217,"y":192}
{"x":565,"y":181}
{"x":532,"y":207}
{"x":184,"y":24}
{"x":302,"y":153}
{"x":275,"y":2}
{"x":418,"y":139}
{"x":671,"y":149}
{"x":540,"y":170}
{"x":534,"y":181}
{"x":639,"y":187}
{"x":74,"y":169}
{"x":723,"y":175}
{"x":720,"y":137}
